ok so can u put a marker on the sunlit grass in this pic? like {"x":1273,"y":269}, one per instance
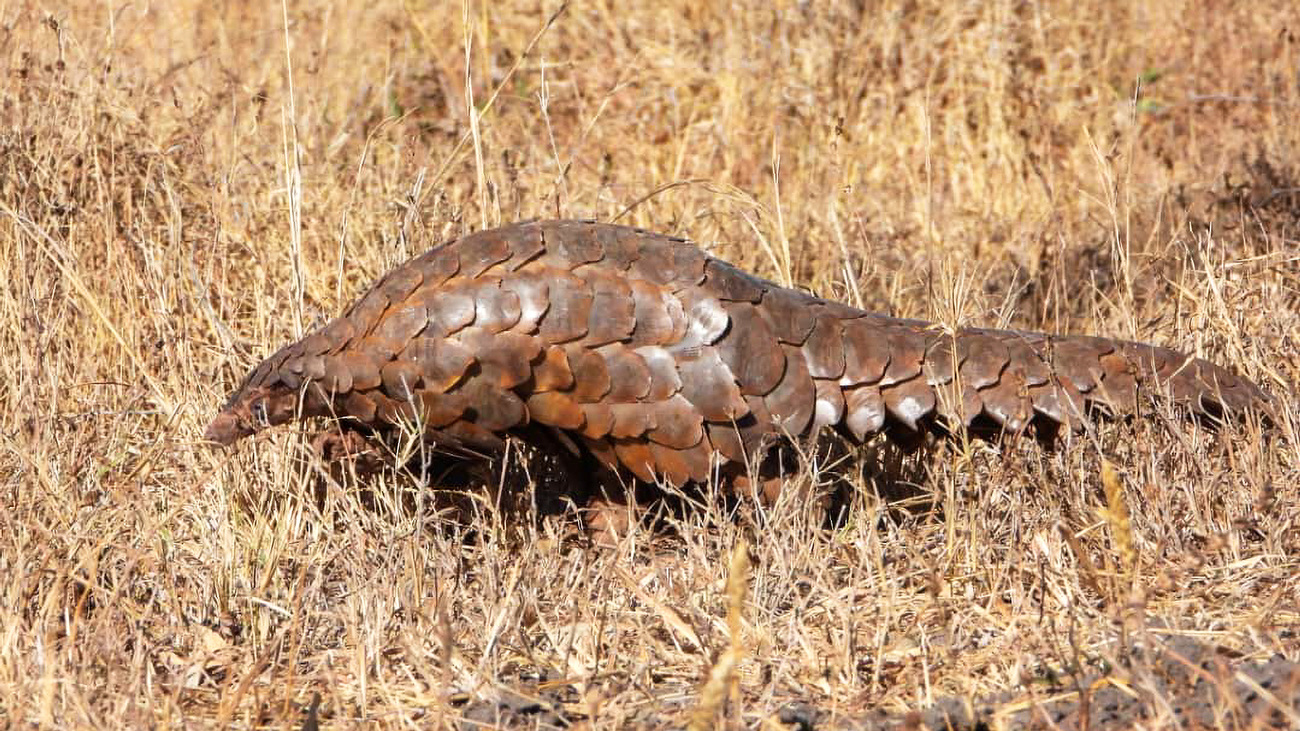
{"x":170,"y":213}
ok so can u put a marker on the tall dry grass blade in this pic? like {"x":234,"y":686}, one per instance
{"x":669,"y":615}
{"x":293,"y":183}
{"x":527,"y":52}
{"x":714,"y":692}
{"x":737,"y":589}
{"x":480,"y":174}
{"x":1129,"y":589}
{"x":1091,"y":576}
{"x":57,"y":256}
{"x":1119,"y":520}
{"x":716,"y":687}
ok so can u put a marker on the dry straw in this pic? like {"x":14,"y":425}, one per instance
{"x":1120,"y":521}
{"x":986,"y":163}
{"x":715,"y":690}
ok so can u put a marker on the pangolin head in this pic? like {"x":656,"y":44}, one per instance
{"x":260,"y":402}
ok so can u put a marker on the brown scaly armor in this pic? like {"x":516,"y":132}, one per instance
{"x":665,"y":362}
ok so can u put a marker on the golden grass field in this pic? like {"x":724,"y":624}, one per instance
{"x":186,"y":185}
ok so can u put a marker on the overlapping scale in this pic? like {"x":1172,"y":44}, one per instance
{"x":437,"y":265}
{"x":863,"y":411}
{"x":574,"y":242}
{"x":440,"y":363}
{"x":448,"y":310}
{"x":906,"y":352}
{"x":706,"y":321}
{"x":676,"y":423}
{"x":492,"y":407}
{"x":613,"y":311}
{"x":555,"y":409}
{"x":532,"y":292}
{"x":829,"y":407}
{"x":433,"y":412}
{"x":794,"y":398}
{"x":824,"y":348}
{"x":665,"y":380}
{"x":363,"y":367}
{"x":1118,"y":386}
{"x":569,"y":313}
{"x":635,"y":455}
{"x":1008,"y":402}
{"x":505,"y":359}
{"x":590,"y":375}
{"x":726,"y":282}
{"x":750,"y":349}
{"x":709,"y":383}
{"x":480,"y":251}
{"x":792,"y":314}
{"x":982,"y":359}
{"x":631,"y":420}
{"x":401,"y":282}
{"x":909,"y":401}
{"x":552,"y":372}
{"x":1077,"y":360}
{"x":629,"y":376}
{"x":658,"y":316}
{"x":399,"y":326}
{"x":401,"y":379}
{"x":496,"y":308}
{"x":866,"y":351}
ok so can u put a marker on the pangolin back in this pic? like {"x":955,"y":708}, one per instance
{"x":664,"y":361}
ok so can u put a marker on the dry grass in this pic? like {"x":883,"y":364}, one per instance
{"x":172,"y":208}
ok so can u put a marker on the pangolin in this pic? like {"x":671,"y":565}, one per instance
{"x":666,"y":363}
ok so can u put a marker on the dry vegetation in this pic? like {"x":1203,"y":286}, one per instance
{"x":178,"y":196}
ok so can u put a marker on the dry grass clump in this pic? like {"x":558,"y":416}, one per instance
{"x":172,"y":207}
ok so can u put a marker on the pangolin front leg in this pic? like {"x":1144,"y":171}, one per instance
{"x":668,"y":364}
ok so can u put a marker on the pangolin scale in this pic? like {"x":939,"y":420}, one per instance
{"x":666,"y":363}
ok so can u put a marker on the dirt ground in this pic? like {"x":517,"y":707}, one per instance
{"x":186,"y":185}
